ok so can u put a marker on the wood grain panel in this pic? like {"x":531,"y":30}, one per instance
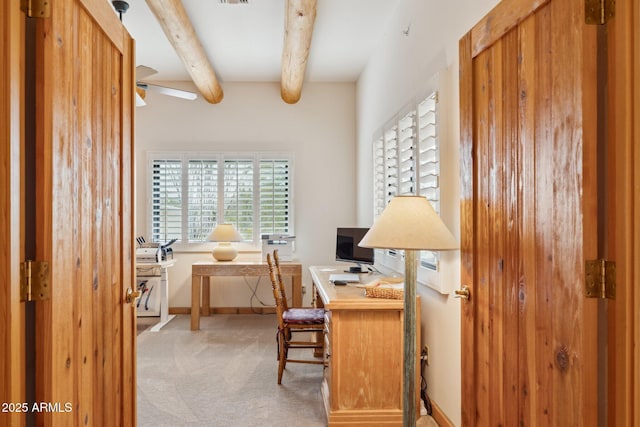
{"x":482,"y":135}
{"x":540,"y":235}
{"x":496,"y":233}
{"x":509,"y":264}
{"x":527,"y":369}
{"x":11,"y":225}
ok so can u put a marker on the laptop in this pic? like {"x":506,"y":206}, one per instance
{"x":344,"y":277}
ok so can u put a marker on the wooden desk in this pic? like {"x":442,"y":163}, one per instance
{"x":201,"y":271}
{"x":363,"y":338}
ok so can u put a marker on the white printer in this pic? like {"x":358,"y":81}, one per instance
{"x":282,"y":242}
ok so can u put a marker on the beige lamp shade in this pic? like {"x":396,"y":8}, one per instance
{"x":409,"y":222}
{"x":225,"y":234}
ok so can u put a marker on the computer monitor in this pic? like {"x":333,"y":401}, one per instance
{"x":347,"y":249}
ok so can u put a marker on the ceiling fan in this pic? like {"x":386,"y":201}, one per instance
{"x":142,"y":87}
{"x":142,"y":71}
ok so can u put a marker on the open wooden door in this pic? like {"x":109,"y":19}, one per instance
{"x":85,"y":331}
{"x":528,"y":88}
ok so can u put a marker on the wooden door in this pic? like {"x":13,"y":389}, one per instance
{"x":529,"y":215}
{"x":85,"y":332}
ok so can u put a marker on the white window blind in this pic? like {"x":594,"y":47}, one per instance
{"x":166,"y":200}
{"x":202,"y":208}
{"x":406,"y":161}
{"x":238,"y":196}
{"x":391,"y":163}
{"x":406,"y":154}
{"x":429,"y":165}
{"x":253,"y":192}
{"x":274,"y":196}
{"x":379,"y":193}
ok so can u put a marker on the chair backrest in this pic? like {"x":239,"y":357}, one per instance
{"x":283,"y":294}
{"x":276,"y":287}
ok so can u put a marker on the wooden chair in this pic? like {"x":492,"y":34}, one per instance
{"x":292,"y":321}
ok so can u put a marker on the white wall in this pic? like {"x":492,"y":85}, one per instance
{"x":402,"y":70}
{"x":319,"y":130}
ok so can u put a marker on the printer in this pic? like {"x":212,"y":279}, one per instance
{"x":153,"y":252}
{"x":282,"y":242}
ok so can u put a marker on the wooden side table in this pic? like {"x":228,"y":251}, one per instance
{"x":201,"y":271}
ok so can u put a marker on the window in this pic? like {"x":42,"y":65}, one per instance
{"x":406,"y":161}
{"x":191,"y":193}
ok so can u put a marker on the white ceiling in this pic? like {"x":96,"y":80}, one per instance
{"x":244,"y":41}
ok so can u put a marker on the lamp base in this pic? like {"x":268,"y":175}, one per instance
{"x":225,"y":252}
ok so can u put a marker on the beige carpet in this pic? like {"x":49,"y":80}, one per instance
{"x":224,"y":375}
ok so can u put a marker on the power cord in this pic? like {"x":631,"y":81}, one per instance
{"x":254,"y":295}
{"x":423,"y":383}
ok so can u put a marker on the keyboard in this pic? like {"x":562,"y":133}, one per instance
{"x":345,"y":277}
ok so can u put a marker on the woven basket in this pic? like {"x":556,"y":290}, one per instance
{"x":388,"y":293}
{"x":380,"y":288}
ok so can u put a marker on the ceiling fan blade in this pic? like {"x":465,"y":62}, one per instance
{"x":142,"y":71}
{"x":178,"y":93}
{"x":140,"y":101}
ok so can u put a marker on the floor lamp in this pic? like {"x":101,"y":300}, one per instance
{"x":409,"y":223}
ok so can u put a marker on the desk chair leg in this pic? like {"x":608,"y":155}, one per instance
{"x":282,"y":355}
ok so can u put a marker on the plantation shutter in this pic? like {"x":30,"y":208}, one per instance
{"x":274,"y":197}
{"x":202,"y":206}
{"x":391,"y":163}
{"x":166,"y":200}
{"x":238,"y":196}
{"x":429,"y":164}
{"x":379,"y":199}
{"x":406,"y":160}
{"x":406,"y":155}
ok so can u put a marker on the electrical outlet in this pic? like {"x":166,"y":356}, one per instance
{"x":425,"y":354}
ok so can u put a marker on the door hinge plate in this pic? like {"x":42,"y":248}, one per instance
{"x":598,"y":12}
{"x":600,"y":279}
{"x":34,"y":281}
{"x":36,"y":8}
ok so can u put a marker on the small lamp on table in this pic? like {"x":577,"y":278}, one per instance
{"x":224,"y":234}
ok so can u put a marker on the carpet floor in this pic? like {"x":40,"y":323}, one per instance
{"x":224,"y":375}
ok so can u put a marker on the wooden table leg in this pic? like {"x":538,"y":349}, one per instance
{"x":206,"y":296}
{"x":195,"y":302}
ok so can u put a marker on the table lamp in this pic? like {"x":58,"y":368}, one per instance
{"x":409,"y":223}
{"x":224,"y":234}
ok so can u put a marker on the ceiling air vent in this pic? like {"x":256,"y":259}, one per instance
{"x":234,"y":1}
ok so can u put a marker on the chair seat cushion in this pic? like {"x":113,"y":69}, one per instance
{"x":304,"y":316}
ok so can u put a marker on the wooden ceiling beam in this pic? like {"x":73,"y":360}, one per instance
{"x":300,"y":16}
{"x":177,"y":27}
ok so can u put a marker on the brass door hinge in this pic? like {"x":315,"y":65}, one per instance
{"x":34,"y":281}
{"x":598,"y":12}
{"x":600,"y":279}
{"x":36,"y":8}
